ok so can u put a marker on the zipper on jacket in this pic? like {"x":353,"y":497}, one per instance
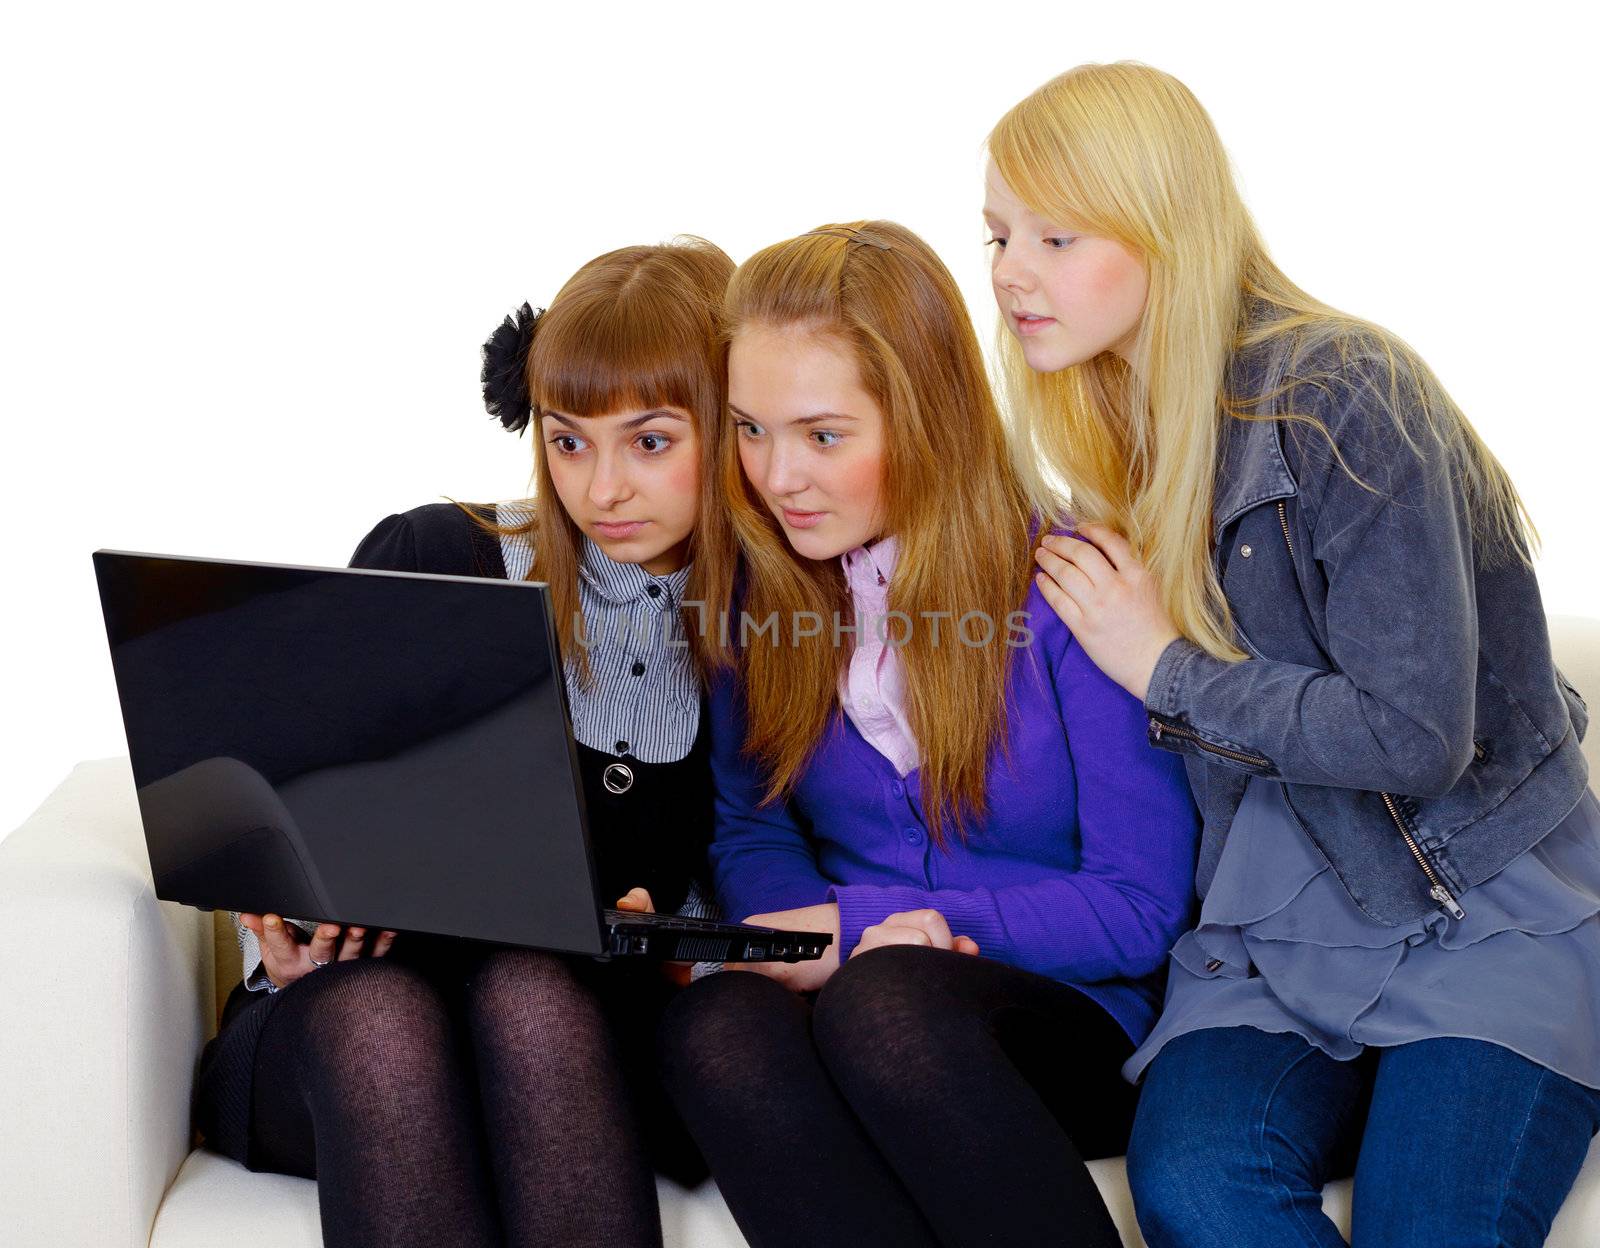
{"x":1157,"y":727}
{"x":1436,"y":887}
{"x":1446,"y":899}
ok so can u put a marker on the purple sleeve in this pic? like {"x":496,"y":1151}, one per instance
{"x":761,"y":856}
{"x":1120,"y":912}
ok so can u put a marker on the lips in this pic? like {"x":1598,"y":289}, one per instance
{"x":802,"y":519}
{"x":1031,"y":322}
{"x":618,"y":529}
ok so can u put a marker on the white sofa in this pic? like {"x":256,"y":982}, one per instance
{"x":106,"y":996}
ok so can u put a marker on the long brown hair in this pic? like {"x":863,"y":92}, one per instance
{"x":635,"y":328}
{"x":952,"y":498}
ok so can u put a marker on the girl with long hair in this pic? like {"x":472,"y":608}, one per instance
{"x":452,"y":1092}
{"x":1317,"y":579}
{"x":913,"y":754}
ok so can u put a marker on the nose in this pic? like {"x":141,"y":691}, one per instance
{"x":784,"y":472}
{"x":1011,"y":271}
{"x":609,"y":485}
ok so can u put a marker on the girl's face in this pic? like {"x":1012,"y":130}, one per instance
{"x":630,"y":480}
{"x":1066,"y":295}
{"x":811,"y":440}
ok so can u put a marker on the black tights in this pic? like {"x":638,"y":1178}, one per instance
{"x":468,"y":1098}
{"x":926,"y":1098}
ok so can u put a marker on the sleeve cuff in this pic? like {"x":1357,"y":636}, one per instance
{"x":863,"y":905}
{"x":256,"y":979}
{"x":1164,"y":696}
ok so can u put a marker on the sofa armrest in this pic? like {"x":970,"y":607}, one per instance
{"x":107,"y":996}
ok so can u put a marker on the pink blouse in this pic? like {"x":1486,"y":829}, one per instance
{"x":872,"y":690}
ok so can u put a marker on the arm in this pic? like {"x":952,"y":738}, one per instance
{"x":1119,"y":913}
{"x":761,"y":857}
{"x":1396,"y":714}
{"x":390,"y":547}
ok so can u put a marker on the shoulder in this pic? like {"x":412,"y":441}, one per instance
{"x":1047,"y":638}
{"x":1343,"y":398}
{"x":436,"y":537}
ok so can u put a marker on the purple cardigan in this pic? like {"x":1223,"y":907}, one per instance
{"x":1083,"y":869}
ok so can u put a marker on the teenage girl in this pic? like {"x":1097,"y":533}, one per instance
{"x":447,"y":1092}
{"x":1317,"y":579}
{"x":912,"y":753}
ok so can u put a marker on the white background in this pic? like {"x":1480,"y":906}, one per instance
{"x":250,"y":252}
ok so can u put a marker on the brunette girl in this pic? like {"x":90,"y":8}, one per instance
{"x":442,"y":1093}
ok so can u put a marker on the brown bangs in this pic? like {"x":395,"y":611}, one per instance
{"x":622,"y":344}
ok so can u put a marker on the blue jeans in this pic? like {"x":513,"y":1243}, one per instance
{"x":1454,"y":1143}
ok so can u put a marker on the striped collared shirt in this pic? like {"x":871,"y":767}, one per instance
{"x":643,"y":696}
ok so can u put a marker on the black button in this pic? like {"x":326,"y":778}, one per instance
{"x":1214,"y":965}
{"x":622,"y":747}
{"x":638,"y":669}
{"x":653,"y":590}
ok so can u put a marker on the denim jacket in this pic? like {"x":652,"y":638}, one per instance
{"x":1403,"y":692}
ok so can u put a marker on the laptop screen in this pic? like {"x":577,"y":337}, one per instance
{"x":388,"y":749}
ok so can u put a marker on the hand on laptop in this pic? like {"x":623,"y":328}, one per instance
{"x":287,"y":955}
{"x":799,"y":976}
{"x":637,"y":899}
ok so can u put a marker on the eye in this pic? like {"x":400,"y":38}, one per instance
{"x":653,"y":443}
{"x":1060,"y":243}
{"x":568,"y":443}
{"x":998,"y":243}
{"x":747,"y":428}
{"x":820,"y":434}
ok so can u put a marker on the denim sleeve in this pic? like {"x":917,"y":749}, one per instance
{"x":1396,"y":712}
{"x":761,"y":856}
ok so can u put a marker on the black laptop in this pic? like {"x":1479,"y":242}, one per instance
{"x":386,"y":749}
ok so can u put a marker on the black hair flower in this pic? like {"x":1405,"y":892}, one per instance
{"x":505,"y":369}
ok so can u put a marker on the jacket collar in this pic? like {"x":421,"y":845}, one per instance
{"x":1250,"y":470}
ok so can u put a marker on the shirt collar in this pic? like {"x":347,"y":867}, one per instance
{"x":623,"y":583}
{"x":869,"y":568}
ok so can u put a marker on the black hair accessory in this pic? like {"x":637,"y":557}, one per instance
{"x":505,"y":369}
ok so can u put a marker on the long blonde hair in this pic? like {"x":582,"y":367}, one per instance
{"x":953,"y":500}
{"x":1126,"y":152}
{"x":637,"y":327}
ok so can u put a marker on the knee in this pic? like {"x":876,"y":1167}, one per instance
{"x":365,"y":996}
{"x":884,"y":995}
{"x":1175,"y":1182}
{"x":710,"y":1035}
{"x":1212,"y":1154}
{"x":371,"y":1015}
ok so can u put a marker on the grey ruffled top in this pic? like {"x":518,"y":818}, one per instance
{"x":1281,"y":947}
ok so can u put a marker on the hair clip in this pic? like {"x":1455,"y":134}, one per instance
{"x":849,"y":236}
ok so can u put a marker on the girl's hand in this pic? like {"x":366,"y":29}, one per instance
{"x":915,"y":927}
{"x":799,"y":976}
{"x":287,"y":955}
{"x":1109,"y":600}
{"x":637,"y":899}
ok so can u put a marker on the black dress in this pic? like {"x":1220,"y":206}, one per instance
{"x":652,"y":835}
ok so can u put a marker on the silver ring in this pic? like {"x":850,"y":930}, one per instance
{"x":319,"y":965}
{"x":618,"y":778}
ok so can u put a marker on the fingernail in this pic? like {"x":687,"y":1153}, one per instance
{"x":272,"y":920}
{"x":356,"y":933}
